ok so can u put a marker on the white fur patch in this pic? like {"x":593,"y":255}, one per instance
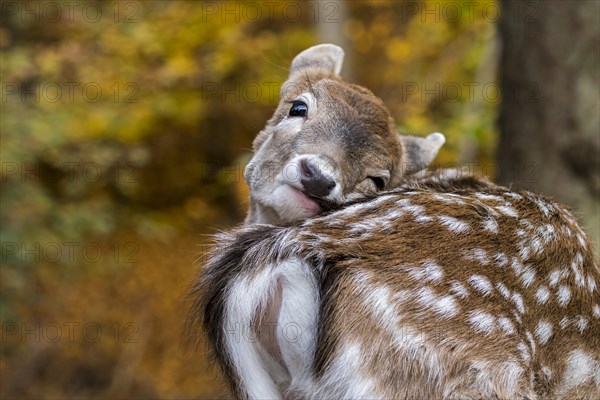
{"x":542,"y":206}
{"x":458,"y":289}
{"x":548,"y":232}
{"x":555,"y":276}
{"x":581,"y":240}
{"x":490,"y":225}
{"x":581,"y":369}
{"x":531,"y":341}
{"x":564,"y":322}
{"x":563,"y":295}
{"x":524,"y":351}
{"x":582,"y":323}
{"x":504,"y":291}
{"x":509,"y":211}
{"x":513,"y":195}
{"x":596,"y":310}
{"x":577,"y":272}
{"x":429,"y":272}
{"x":296,"y":333}
{"x":245,"y":297}
{"x":517,"y":266}
{"x":528,"y":276}
{"x":542,"y":295}
{"x":501,"y":259}
{"x":518,"y":300}
{"x":348,"y":367}
{"x":481,"y":284}
{"x":480,"y":255}
{"x":482,"y":321}
{"x":506,"y":325}
{"x":543,"y":331}
{"x":536,"y":245}
{"x":547,"y":371}
{"x":445,"y":306}
{"x":591,"y":283}
{"x":453,"y":224}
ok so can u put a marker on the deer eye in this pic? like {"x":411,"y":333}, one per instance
{"x":378,"y":181}
{"x":299,"y":109}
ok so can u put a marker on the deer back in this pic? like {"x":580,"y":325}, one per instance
{"x":448,"y":287}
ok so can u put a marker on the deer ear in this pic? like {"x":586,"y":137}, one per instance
{"x":328,"y":57}
{"x":418,"y":153}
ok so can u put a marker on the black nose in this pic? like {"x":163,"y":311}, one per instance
{"x":313,"y":180}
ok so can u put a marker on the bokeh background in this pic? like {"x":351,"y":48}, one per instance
{"x":125,"y":127}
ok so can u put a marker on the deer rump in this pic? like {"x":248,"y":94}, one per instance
{"x":407,"y":295}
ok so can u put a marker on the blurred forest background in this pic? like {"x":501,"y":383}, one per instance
{"x":126,"y":125}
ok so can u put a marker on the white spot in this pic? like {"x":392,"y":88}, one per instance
{"x":580,"y":369}
{"x":348,"y":367}
{"x":581,"y":240}
{"x":564,"y":295}
{"x":517,"y":316}
{"x":445,"y":306}
{"x":429,"y":272}
{"x":448,"y":198}
{"x":513,"y":195}
{"x":531,"y":341}
{"x":596,"y":310}
{"x":415,"y":209}
{"x":591,"y":283}
{"x":554,"y":277}
{"x":423,"y":218}
{"x":458,"y":289}
{"x":536,"y":245}
{"x":491,"y":225}
{"x":575,"y":267}
{"x":542,"y":206}
{"x":528,"y":276}
{"x":453,"y":224}
{"x":506,"y":325}
{"x":544,"y":331}
{"x":501,"y":259}
{"x":548,"y":232}
{"x":489,"y":197}
{"x":482,"y":321}
{"x":506,"y":210}
{"x":524,"y":351}
{"x":547,"y":371}
{"x":480,"y":255}
{"x":542,"y":295}
{"x":582,"y":323}
{"x":516,"y":266}
{"x":403,"y":203}
{"x":524,"y":252}
{"x":564,"y":322}
{"x":503,"y":290}
{"x":482,"y":284}
{"x":518,"y":300}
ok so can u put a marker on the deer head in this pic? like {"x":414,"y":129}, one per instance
{"x":327,"y":143}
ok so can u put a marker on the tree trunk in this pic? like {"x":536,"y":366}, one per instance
{"x":550,"y":113}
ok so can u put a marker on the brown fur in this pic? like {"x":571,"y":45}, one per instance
{"x":347,"y":128}
{"x":445,"y":286}
{"x":365,"y":250}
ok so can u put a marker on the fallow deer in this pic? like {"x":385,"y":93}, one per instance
{"x":327,"y":143}
{"x":440,"y":285}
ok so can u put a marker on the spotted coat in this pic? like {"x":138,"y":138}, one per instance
{"x":448,"y":287}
